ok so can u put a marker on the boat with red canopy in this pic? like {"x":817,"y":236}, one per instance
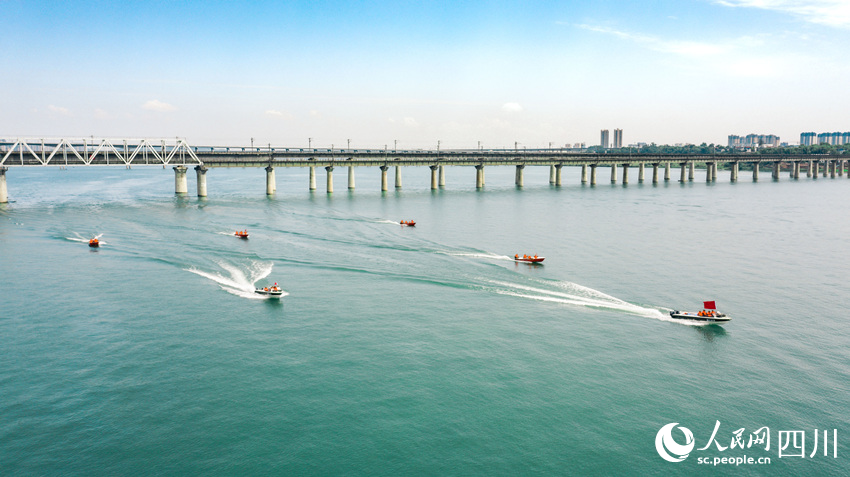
{"x":241,"y":234}
{"x":528,"y":258}
{"x":708,"y":315}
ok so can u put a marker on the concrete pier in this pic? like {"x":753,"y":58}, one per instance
{"x":613,"y":173}
{"x":825,"y":167}
{"x":641,"y":173}
{"x":433,"y":177}
{"x":479,"y":176}
{"x":733,"y":177}
{"x":350,"y":177}
{"x":384,"y":178}
{"x":691,"y":168}
{"x":181,"y":185}
{"x":841,"y":167}
{"x":832,"y":167}
{"x":593,"y":174}
{"x":312,"y":178}
{"x":398,"y":177}
{"x":4,"y":193}
{"x":797,"y":170}
{"x":519,"y":180}
{"x":625,"y":174}
{"x":442,"y":175}
{"x":271,"y":186}
{"x":330,"y":184}
{"x":683,"y":167}
{"x":584,"y":173}
{"x":552,"y":174}
{"x":776,"y":171}
{"x":558,"y":168}
{"x":655,"y":173}
{"x":809,"y":170}
{"x":755,"y":171}
{"x":201,"y":173}
{"x":666,"y":171}
{"x":813,"y":169}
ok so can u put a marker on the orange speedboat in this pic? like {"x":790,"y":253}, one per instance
{"x":409,"y":223}
{"x":528,"y":258}
{"x":241,"y":234}
{"x":94,"y":243}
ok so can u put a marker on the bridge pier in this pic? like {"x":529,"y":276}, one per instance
{"x":312,"y":178}
{"x":733,"y":176}
{"x":201,"y":173}
{"x":519,"y":180}
{"x":666,"y":171}
{"x":398,"y":177}
{"x":271,"y":187}
{"x":655,"y":173}
{"x":181,"y":186}
{"x":755,"y":172}
{"x":683,"y":167}
{"x":384,"y":178}
{"x":350,"y":177}
{"x":330,"y":184}
{"x":552,"y":174}
{"x":584,"y":173}
{"x":776,"y":171}
{"x":825,"y":167}
{"x":691,"y":167}
{"x":4,"y":193}
{"x":832,"y":166}
{"x":813,"y":169}
{"x":809,"y":170}
{"x":442,"y":175}
{"x":796,"y":169}
{"x":558,"y":174}
{"x":841,"y":167}
{"x":640,"y":173}
{"x":479,"y":176}
{"x":625,"y":174}
{"x":433,"y":177}
{"x":613,"y":173}
{"x":593,"y":174}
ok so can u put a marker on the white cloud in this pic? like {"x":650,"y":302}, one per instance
{"x":101,"y":114}
{"x":410,"y":122}
{"x":511,"y":107}
{"x":279,"y":114}
{"x":59,"y":110}
{"x":157,"y":105}
{"x":694,"y":49}
{"x":825,"y":12}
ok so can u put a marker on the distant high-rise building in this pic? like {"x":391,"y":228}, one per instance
{"x":618,"y":138}
{"x":754,"y":140}
{"x":603,"y":141}
{"x":808,"y":138}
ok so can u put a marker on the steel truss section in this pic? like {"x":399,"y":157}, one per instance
{"x":65,"y":152}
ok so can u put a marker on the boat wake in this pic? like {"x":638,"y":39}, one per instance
{"x":237,"y":281}
{"x":488,"y":256}
{"x":576,"y":295}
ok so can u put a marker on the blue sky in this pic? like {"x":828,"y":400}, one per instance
{"x":459,"y":72}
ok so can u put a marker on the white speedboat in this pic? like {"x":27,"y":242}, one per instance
{"x":707,"y":317}
{"x":271,"y":292}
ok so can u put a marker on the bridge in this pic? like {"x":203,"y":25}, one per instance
{"x":178,"y":154}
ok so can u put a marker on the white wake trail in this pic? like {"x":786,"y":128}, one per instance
{"x":239,"y":281}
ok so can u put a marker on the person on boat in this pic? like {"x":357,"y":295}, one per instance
{"x":535,"y":256}
{"x":516,"y":256}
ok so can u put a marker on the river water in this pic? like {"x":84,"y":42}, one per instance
{"x":418,"y":351}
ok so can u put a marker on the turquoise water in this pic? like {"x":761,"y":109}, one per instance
{"x":415,"y":351}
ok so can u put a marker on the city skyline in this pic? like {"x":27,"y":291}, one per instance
{"x":532,"y":73}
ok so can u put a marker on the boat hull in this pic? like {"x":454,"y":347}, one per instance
{"x":719,"y":318}
{"x":530,"y":260}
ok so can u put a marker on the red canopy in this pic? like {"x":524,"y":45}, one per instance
{"x":709,"y":305}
